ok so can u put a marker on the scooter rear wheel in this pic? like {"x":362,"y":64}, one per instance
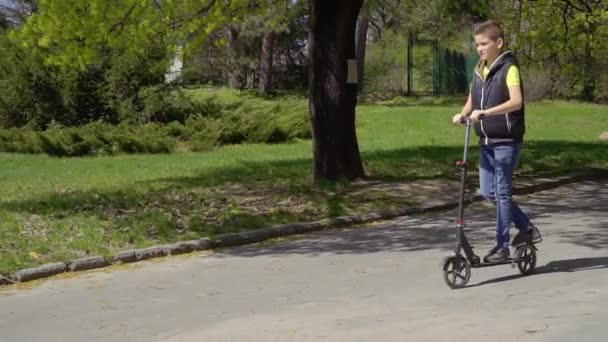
{"x":456,"y":271}
{"x":527,"y":259}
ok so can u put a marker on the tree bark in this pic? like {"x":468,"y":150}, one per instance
{"x":332,"y":100}
{"x":265,"y":86}
{"x":235,"y":77}
{"x":362,"y":27}
{"x":588,"y":73}
{"x":410,"y":64}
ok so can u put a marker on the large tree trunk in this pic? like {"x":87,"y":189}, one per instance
{"x":361,"y":43}
{"x":332,"y":99}
{"x":235,"y":77}
{"x":266,"y":62}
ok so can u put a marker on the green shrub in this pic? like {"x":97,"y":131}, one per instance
{"x":30,"y":94}
{"x":20,"y":141}
{"x":209,"y":123}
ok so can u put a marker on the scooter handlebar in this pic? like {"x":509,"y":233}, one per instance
{"x":466,"y":120}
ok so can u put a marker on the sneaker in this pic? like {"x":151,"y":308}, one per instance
{"x":536,"y":237}
{"x":532,"y":236}
{"x":497,"y":255}
{"x":492,"y":251}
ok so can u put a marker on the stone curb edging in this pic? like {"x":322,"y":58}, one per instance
{"x":43,"y":271}
{"x":5,"y":281}
{"x":248,"y":237}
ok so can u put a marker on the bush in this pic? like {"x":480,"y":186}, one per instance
{"x":30,"y":94}
{"x":128,"y":75}
{"x":167,"y":105}
{"x":208,"y":123}
{"x":110,"y":89}
{"x":196,"y":120}
{"x":205,"y":132}
{"x":20,"y":141}
{"x":254,"y":123}
{"x":93,"y":139}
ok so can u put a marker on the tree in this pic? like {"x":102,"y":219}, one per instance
{"x":361,"y":44}
{"x":564,"y":39}
{"x":235,"y":77}
{"x":265,"y":86}
{"x":250,"y":41}
{"x":384,"y":14}
{"x":72,"y":32}
{"x":332,"y":98}
{"x":76,"y":33}
{"x":271,"y":21}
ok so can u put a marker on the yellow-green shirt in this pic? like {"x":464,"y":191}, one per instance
{"x":512,"y":76}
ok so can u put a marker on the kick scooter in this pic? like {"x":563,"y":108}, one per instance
{"x":457,"y":267}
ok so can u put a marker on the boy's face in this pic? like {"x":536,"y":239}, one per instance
{"x":487,"y":47}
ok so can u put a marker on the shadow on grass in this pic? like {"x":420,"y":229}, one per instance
{"x":401,"y":101}
{"x":539,"y":158}
{"x":132,"y":218}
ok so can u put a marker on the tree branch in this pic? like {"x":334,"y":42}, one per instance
{"x":569,"y":3}
{"x":205,"y":8}
{"x":378,"y":29}
{"x":121,"y":24}
{"x":175,"y":24}
{"x":589,"y":9}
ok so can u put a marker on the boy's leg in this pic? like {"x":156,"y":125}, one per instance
{"x":486,"y":174}
{"x":487,"y":186}
{"x":498,"y":161}
{"x":527,"y":231}
{"x":520,"y":219}
{"x":496,"y":167}
{"x":505,"y":160}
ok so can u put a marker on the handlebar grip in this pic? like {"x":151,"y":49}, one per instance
{"x":465,"y":119}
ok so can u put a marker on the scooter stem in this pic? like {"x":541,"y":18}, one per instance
{"x":466,"y":139}
{"x":461,"y":238}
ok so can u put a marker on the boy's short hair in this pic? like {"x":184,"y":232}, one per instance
{"x":490,"y":28}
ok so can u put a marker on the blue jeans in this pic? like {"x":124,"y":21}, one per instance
{"x":496,"y":166}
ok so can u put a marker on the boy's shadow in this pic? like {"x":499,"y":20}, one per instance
{"x":571,"y":265}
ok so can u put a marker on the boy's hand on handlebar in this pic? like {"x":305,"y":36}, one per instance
{"x":477,"y":115}
{"x":458,"y":119}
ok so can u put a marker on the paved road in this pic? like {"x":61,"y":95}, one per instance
{"x":380,"y":282}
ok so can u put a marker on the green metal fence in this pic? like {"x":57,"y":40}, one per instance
{"x":452,"y":71}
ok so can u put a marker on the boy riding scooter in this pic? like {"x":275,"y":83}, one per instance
{"x":495,"y":106}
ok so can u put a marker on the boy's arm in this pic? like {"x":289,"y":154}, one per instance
{"x":466,"y":110}
{"x":468,"y":107}
{"x":513,"y":104}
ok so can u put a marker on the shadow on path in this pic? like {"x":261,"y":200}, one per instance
{"x":568,"y":266}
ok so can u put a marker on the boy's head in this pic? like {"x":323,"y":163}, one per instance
{"x":489,"y":40}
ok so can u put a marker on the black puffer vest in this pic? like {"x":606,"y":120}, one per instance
{"x":503,"y":128}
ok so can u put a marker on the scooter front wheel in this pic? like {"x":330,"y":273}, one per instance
{"x":456,"y":271}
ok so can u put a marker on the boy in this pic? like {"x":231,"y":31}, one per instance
{"x":496,"y":108}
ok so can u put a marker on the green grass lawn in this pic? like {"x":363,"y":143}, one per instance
{"x":57,"y":209}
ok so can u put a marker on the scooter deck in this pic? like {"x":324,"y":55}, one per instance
{"x":504,"y":262}
{"x":510,"y":260}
